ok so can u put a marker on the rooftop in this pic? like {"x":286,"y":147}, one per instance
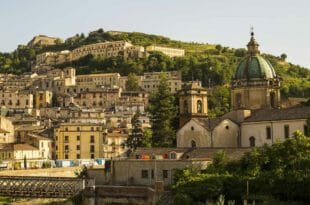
{"x":293,"y":113}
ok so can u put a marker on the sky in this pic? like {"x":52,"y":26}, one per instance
{"x":280,"y":26}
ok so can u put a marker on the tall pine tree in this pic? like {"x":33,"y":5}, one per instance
{"x":137,"y":137}
{"x":163,"y":112}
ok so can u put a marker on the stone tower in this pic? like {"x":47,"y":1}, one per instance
{"x":193,"y":102}
{"x":255,"y":84}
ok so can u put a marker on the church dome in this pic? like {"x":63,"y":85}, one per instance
{"x":254,"y":66}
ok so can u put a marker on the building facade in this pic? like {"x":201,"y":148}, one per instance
{"x":171,"y":52}
{"x":79,"y":141}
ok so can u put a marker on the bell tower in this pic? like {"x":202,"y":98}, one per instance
{"x":193,"y":102}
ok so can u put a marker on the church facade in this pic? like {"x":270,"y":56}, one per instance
{"x":255,"y":118}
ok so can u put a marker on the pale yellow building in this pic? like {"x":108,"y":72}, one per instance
{"x":151,"y":81}
{"x":79,"y":141}
{"x":98,"y":98}
{"x":43,"y":99}
{"x":16,"y":100}
{"x":171,"y":52}
{"x":53,"y":58}
{"x":97,"y":80}
{"x":114,"y":144}
{"x":22,"y":151}
{"x":108,"y":49}
{"x":6,"y":130}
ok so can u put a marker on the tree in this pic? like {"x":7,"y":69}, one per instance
{"x":240,"y":52}
{"x":308,"y":126}
{"x":283,"y":56}
{"x":135,"y":138}
{"x":163,"y":111}
{"x":132,"y":83}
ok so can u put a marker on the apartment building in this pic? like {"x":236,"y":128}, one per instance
{"x":79,"y":141}
{"x":15,"y":82}
{"x":16,"y":100}
{"x":114,"y":143}
{"x":43,"y":98}
{"x":171,"y":52}
{"x":103,"y":98}
{"x":6,"y":131}
{"x":109,"y":80}
{"x":53,"y":58}
{"x":151,"y":81}
{"x":56,"y":80}
{"x":108,"y":49}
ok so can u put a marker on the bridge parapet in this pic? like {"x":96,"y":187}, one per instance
{"x":41,"y":187}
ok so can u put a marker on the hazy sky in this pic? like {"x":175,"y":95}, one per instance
{"x":281,"y":26}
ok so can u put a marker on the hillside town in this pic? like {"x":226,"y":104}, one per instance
{"x":52,"y":117}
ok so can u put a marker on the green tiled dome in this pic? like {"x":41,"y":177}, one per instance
{"x":253,"y":67}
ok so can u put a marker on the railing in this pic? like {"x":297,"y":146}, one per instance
{"x":43,"y":187}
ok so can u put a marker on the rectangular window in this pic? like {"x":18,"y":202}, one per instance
{"x":268,"y":132}
{"x":92,"y":148}
{"x":78,"y":138}
{"x":77,"y":147}
{"x":145,"y":174}
{"x":66,"y":139}
{"x":66,"y":156}
{"x":152,"y":174}
{"x":92,"y":156}
{"x":165,"y":174}
{"x":92,"y":139}
{"x":286,"y":131}
{"x":66,"y":147}
{"x":78,"y":156}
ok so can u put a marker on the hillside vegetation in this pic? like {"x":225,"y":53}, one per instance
{"x":214,"y":65}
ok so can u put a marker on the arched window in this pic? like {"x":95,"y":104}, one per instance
{"x":185,"y":106}
{"x":238,"y":100}
{"x":272,"y":100}
{"x":252,"y":141}
{"x":193,"y":144}
{"x":199,"y":106}
{"x":173,"y":155}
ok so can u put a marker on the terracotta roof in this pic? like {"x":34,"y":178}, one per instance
{"x":5,"y":147}
{"x":302,"y":112}
{"x":24,"y":147}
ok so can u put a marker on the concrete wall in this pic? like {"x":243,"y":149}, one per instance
{"x":129,"y":172}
